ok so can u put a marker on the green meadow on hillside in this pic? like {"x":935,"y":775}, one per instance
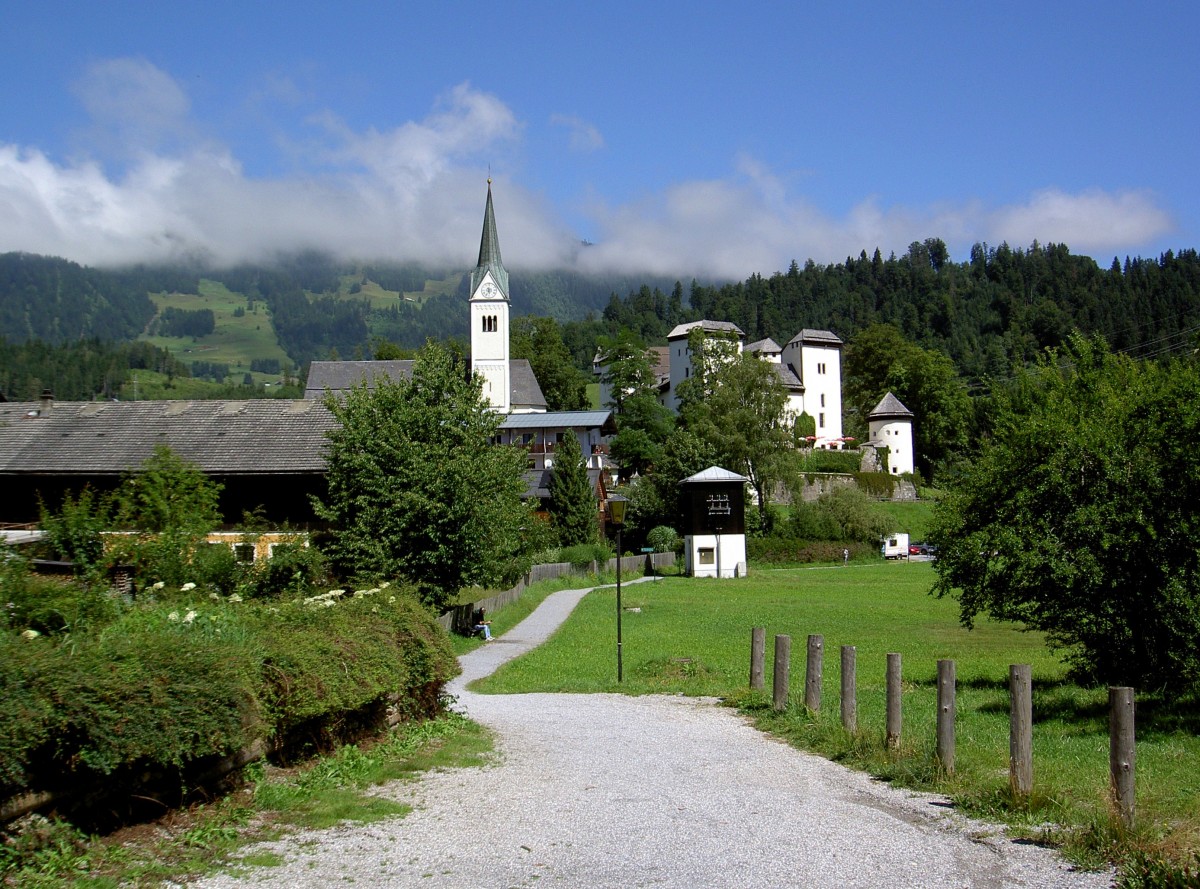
{"x":236,"y":340}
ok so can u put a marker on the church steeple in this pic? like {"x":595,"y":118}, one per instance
{"x":489,"y":316}
{"x":489,"y":252}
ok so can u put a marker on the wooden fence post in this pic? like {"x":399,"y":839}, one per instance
{"x":849,"y":695}
{"x":813,"y":672}
{"x":1020,"y":738}
{"x":783,"y":659}
{"x":758,"y":645}
{"x":894,"y":720}
{"x":946,"y":713}
{"x":1122,"y":751}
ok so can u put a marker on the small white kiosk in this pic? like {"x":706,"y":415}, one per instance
{"x":714,"y":521}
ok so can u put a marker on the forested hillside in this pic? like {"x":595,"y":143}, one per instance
{"x":991,"y":313}
{"x":996,"y":311}
{"x":317,"y":305}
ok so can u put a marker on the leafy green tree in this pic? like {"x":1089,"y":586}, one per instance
{"x":418,"y":489}
{"x":75,"y":529}
{"x":173,"y":505}
{"x":642,"y":423}
{"x":881,"y":360}
{"x":1078,"y":517}
{"x":572,"y":507}
{"x":168,"y":494}
{"x":540,"y":341}
{"x":734,"y":401}
{"x":628,"y":367}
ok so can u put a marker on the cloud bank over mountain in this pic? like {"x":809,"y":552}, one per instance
{"x":153,"y":183}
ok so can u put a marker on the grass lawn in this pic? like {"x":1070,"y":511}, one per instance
{"x":693,"y":637}
{"x":912,"y":517}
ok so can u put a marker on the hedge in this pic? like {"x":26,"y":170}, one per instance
{"x":166,"y":689}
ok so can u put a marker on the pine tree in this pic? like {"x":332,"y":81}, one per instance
{"x":572,"y":502}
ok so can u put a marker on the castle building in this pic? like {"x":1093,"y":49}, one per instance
{"x":809,"y":367}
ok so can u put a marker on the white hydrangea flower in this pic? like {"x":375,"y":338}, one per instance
{"x":235,"y":598}
{"x":189,"y":617}
{"x":30,"y":634}
{"x":158,"y":586}
{"x":174,"y":615}
{"x":187,"y":587}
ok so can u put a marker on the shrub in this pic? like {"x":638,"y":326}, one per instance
{"x":164,"y":689}
{"x":582,"y":556}
{"x":790,"y":550}
{"x":291,"y":569}
{"x":664,"y":539}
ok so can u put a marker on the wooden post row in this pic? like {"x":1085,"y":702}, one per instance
{"x":946,"y":694}
{"x":783,"y":658}
{"x":812,"y":673}
{"x":894,"y":721}
{"x":849,"y":695}
{"x":1020,"y":736}
{"x":1121,"y":751}
{"x":758,"y":644}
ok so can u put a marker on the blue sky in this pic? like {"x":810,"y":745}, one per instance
{"x":686,"y":139}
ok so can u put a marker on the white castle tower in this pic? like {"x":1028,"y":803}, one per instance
{"x":489,"y":316}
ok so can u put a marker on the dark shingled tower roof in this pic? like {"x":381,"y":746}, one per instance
{"x":489,"y":251}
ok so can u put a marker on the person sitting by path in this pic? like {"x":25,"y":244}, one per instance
{"x":482,"y":626}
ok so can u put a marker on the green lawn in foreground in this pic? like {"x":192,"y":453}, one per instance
{"x":693,"y":637}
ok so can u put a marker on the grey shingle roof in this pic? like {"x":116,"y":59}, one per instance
{"x":767,"y":345}
{"x":816,"y":338}
{"x":683,"y":330}
{"x":889,"y":406}
{"x":341,"y":375}
{"x":338,"y":376}
{"x":787,"y":376}
{"x":526,"y":393}
{"x":561,"y":420}
{"x":714,"y":474}
{"x":263,"y":436}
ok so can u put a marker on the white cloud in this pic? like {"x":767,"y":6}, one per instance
{"x":134,"y":106}
{"x":730,"y":229}
{"x":1092,"y":221}
{"x":415,"y":191}
{"x":583,"y":136}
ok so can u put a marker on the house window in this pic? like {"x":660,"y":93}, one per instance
{"x":708,"y":556}
{"x":821,"y":419}
{"x":822,"y":401}
{"x":244,"y":552}
{"x":527,"y":439}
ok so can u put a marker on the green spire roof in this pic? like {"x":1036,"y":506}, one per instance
{"x":489,"y":252}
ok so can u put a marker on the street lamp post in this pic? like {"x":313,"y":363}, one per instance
{"x":616,"y":515}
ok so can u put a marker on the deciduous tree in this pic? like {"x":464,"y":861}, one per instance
{"x":1079,"y":516}
{"x":418,"y":489}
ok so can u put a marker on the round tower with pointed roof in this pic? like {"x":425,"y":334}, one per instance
{"x":891,"y":426}
{"x":490,"y":316}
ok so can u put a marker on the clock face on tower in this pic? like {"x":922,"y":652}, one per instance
{"x":488,"y":290}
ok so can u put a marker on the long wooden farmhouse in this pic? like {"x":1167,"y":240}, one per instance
{"x":267,"y":453}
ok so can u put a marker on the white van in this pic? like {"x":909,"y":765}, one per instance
{"x":895,"y":546}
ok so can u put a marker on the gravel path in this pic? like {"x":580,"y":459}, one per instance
{"x":613,"y":791}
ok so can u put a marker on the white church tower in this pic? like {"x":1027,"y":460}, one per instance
{"x":489,"y":316}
